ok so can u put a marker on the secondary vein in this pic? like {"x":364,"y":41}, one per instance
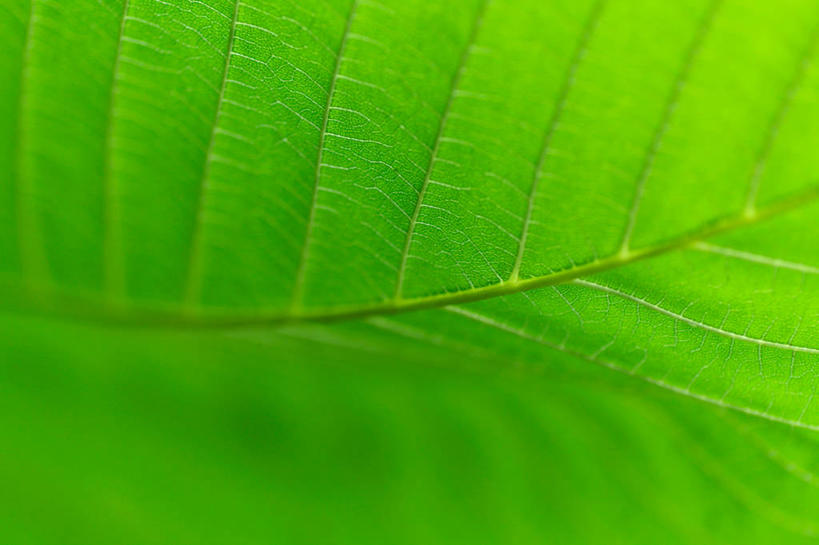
{"x":29,"y":250}
{"x":111,"y":244}
{"x":568,"y":83}
{"x":298,"y":289}
{"x":668,"y":112}
{"x":695,"y":323}
{"x":614,"y":367}
{"x":454,"y":85}
{"x":194,"y":255}
{"x":785,"y":102}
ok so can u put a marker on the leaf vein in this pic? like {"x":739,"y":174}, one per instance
{"x":439,"y":138}
{"x":298,"y":289}
{"x":670,"y":108}
{"x":695,"y":323}
{"x":614,"y":367}
{"x":194,"y":279}
{"x":785,"y":101}
{"x":568,"y":83}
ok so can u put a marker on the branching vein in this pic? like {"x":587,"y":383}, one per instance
{"x":694,"y":323}
{"x":486,"y":320}
{"x":568,"y":83}
{"x":298,"y":290}
{"x":193,"y":268}
{"x":453,"y":89}
{"x":776,"y":122}
{"x":668,"y":112}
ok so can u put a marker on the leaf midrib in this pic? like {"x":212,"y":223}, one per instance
{"x":131,"y":313}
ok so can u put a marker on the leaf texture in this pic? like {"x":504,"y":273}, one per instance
{"x":551,"y":185}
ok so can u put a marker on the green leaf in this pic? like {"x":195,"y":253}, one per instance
{"x":341,"y":271}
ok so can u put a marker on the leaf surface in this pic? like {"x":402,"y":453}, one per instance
{"x":577,"y":232}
